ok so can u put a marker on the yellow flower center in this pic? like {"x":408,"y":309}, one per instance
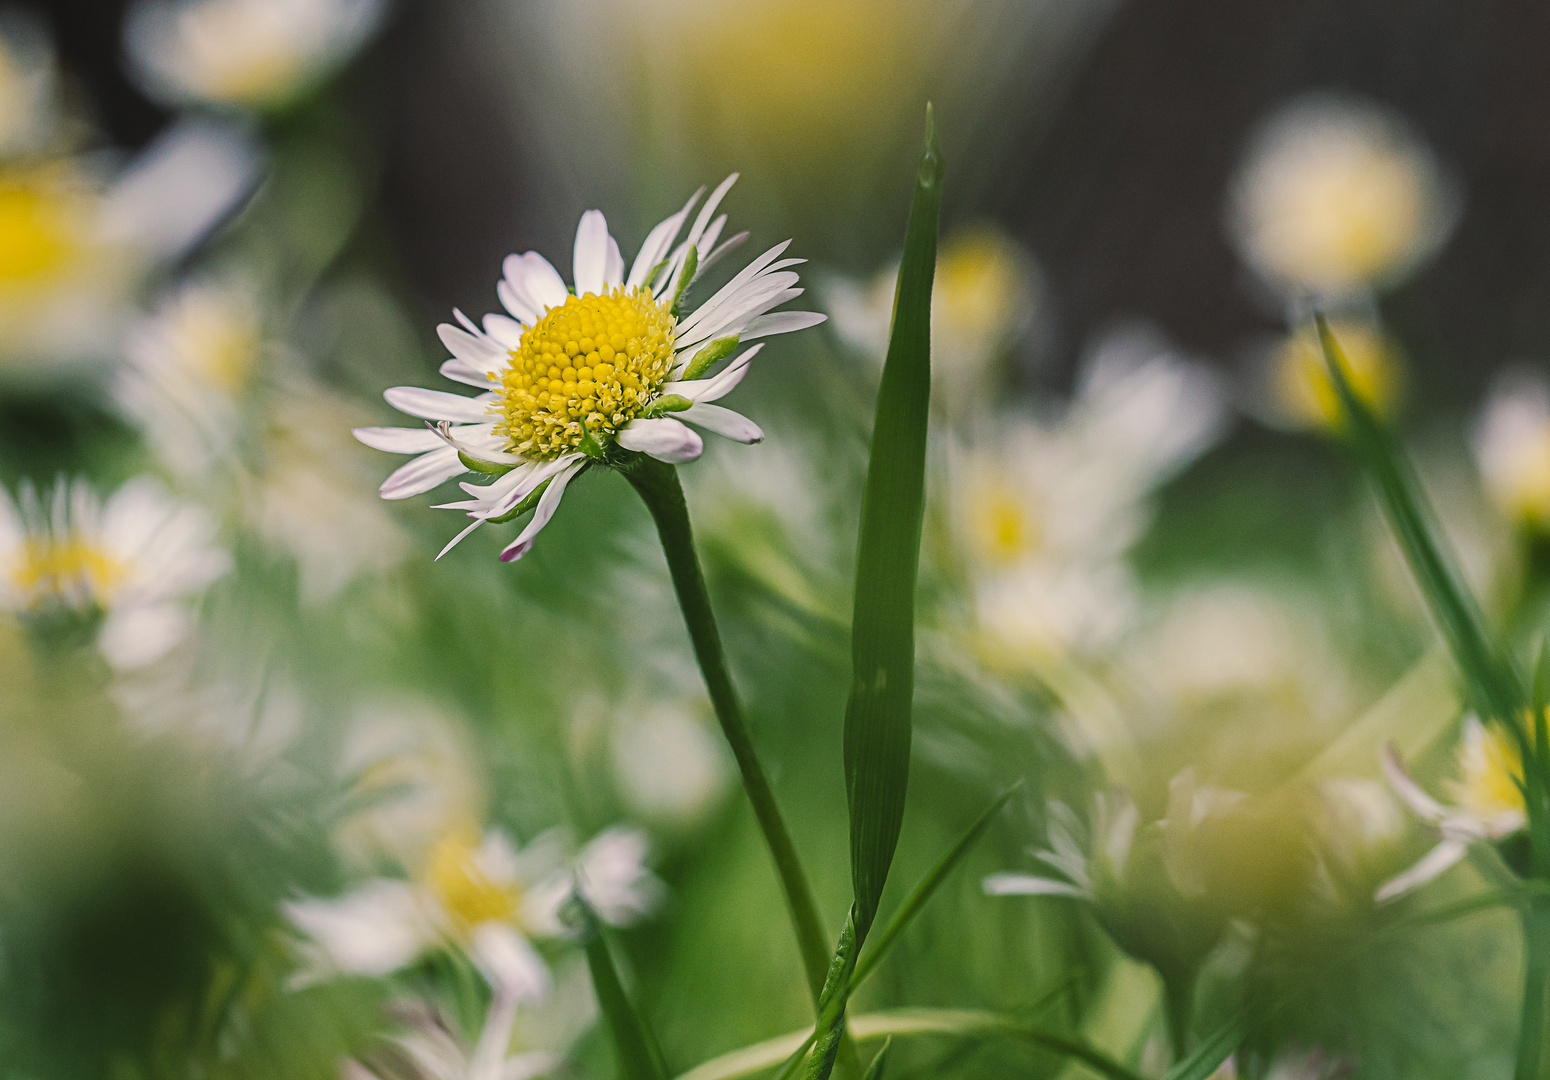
{"x":217,"y":338}
{"x":39,"y":228}
{"x":978,"y":281}
{"x":463,"y":887}
{"x":57,"y":568}
{"x":590,"y":365}
{"x":1301,"y":376}
{"x":1002,"y":523}
{"x":1491,"y":767}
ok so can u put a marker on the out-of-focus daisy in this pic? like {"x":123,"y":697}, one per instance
{"x":1487,"y":802}
{"x":252,"y":53}
{"x":1300,"y":392}
{"x":1337,"y":195}
{"x":480,"y":894}
{"x":1512,"y":447}
{"x":576,"y":377}
{"x":133,"y":562}
{"x":431,"y":1048}
{"x":28,"y":85}
{"x":984,"y":295}
{"x":1046,"y":510}
{"x":74,"y":247}
{"x":671,"y":766}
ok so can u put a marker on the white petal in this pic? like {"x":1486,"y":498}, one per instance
{"x":504,"y":331}
{"x":731,"y":288}
{"x":536,"y":283}
{"x":697,"y":232}
{"x":478,"y":441}
{"x":591,"y":253}
{"x":613,"y":268}
{"x":398,"y":440}
{"x":1426,"y":807}
{"x":547,"y":504}
{"x":659,"y":242}
{"x":729,"y":245}
{"x":664,"y":439}
{"x":133,"y":636}
{"x":439,"y":405}
{"x":611,"y":873}
{"x":734,"y":316}
{"x":460,"y":370}
{"x":718,"y":385}
{"x":724,"y":422}
{"x":781,"y":322}
{"x":373,"y":931}
{"x":521,"y":311}
{"x":1439,"y":859}
{"x":423,"y":473}
{"x":480,"y":351}
{"x":508,"y":962}
{"x":1029,"y":885}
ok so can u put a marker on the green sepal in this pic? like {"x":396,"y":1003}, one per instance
{"x":488,"y":468}
{"x":717,"y":350}
{"x":657,"y":269}
{"x":590,"y":445}
{"x":685,"y":278}
{"x":665,"y":404}
{"x":529,"y":501}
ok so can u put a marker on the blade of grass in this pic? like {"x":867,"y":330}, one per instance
{"x":1493,"y":685}
{"x":877,"y":715}
{"x":830,"y":1029}
{"x":639,"y":1057}
{"x":922,"y":892}
{"x":875,"y":1070}
{"x":1212,"y":1051}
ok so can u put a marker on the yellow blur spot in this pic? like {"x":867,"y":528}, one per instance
{"x":241,"y":52}
{"x":462,"y":886}
{"x":217,"y":336}
{"x":1300,"y":382}
{"x":42,"y":219}
{"x":980,"y":284}
{"x":1003,"y":527}
{"x":65,"y":569}
{"x":1490,"y":767}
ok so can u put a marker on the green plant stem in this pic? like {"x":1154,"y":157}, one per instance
{"x":1533,"y":1063}
{"x":1179,"y":1005}
{"x":658,"y":486}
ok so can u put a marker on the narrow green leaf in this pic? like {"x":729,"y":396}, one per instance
{"x":794,"y":1062}
{"x":877,"y":715}
{"x":831,"y":1004}
{"x":923,"y":891}
{"x":1492,"y":683}
{"x":1212,"y":1051}
{"x":875,"y":1070}
{"x":639,"y":1058}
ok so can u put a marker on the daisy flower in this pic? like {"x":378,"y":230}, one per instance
{"x":431,"y":1048}
{"x":1512,"y":447}
{"x":1488,"y":803}
{"x":596,"y":373}
{"x":130,"y":565}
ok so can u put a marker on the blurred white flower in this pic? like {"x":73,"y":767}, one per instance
{"x":1293,"y":1065}
{"x":610,"y":874}
{"x":670,"y":765}
{"x":1299,"y":392}
{"x":984,"y":295}
{"x":1512,"y":447}
{"x":256,"y":54}
{"x":28,"y":85}
{"x":135,"y":561}
{"x":1337,"y":195}
{"x":1046,"y":511}
{"x":568,"y":376}
{"x":74,"y":247}
{"x":1488,"y":803}
{"x":431,"y":1049}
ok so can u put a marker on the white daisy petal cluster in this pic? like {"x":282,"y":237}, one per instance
{"x":1512,"y":447}
{"x":483,"y":895}
{"x":431,"y":1048}
{"x":251,"y":53}
{"x":135,"y":561}
{"x":1488,"y":803}
{"x":567,"y":375}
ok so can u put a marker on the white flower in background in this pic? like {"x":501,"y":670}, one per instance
{"x":430,"y":1048}
{"x":75,"y":246}
{"x":1296,"y":1065}
{"x":569,"y":376}
{"x":479,"y":894}
{"x":1488,"y":804}
{"x":1300,"y":393}
{"x":28,"y":85}
{"x":1512,"y":447}
{"x":1046,"y":510}
{"x":136,"y":561}
{"x":1087,"y":865}
{"x":670,"y":765}
{"x":251,"y":53}
{"x":983,"y":297}
{"x":254,"y":718}
{"x":1338,"y":195}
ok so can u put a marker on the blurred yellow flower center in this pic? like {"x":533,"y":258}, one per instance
{"x":39,"y":225}
{"x":54,"y":568}
{"x":1302,"y":385}
{"x":242,"y":51}
{"x":1491,"y":768}
{"x":463,"y":887}
{"x":591,"y":364}
{"x":219,"y":341}
{"x":978,"y":281}
{"x":1002,"y":526}
{"x":1352,"y":218}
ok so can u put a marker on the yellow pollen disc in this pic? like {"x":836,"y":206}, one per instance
{"x":1301,"y":378}
{"x":1491,"y":767}
{"x":40,"y":222}
{"x":1003,"y":527}
{"x":595,"y":361}
{"x":464,"y":889}
{"x":52,"y":569}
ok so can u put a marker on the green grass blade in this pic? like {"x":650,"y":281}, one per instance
{"x":830,"y":1029}
{"x":875,"y":1070}
{"x":1212,"y":1051}
{"x":1492,"y":683}
{"x":639,"y":1058}
{"x":877,"y":715}
{"x":922,"y":892}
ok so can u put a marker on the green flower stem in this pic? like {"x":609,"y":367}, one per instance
{"x":1533,"y":1063}
{"x":1179,"y":1005}
{"x":659,"y":488}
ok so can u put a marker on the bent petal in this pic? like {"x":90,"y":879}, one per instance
{"x":1426,"y":807}
{"x":1029,"y":885}
{"x":664,"y":439}
{"x":1440,"y":858}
